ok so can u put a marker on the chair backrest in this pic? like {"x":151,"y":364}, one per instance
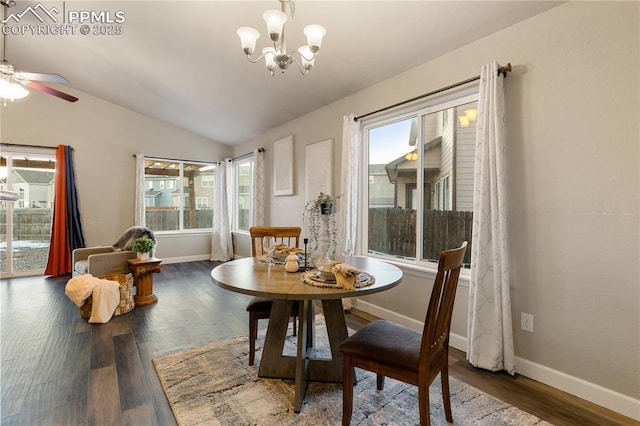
{"x":289,"y":235}
{"x":438,"y":321}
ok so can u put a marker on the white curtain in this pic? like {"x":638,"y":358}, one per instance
{"x":489,"y":330}
{"x":258,"y":187}
{"x":139,"y":201}
{"x":221,"y":240}
{"x":349,"y":177}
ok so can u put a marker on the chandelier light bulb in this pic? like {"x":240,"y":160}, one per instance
{"x":248,"y":37}
{"x":269,"y":58}
{"x":314,"y":34}
{"x":275,"y":22}
{"x":9,"y":90}
{"x":464,"y":121}
{"x":307,"y":57}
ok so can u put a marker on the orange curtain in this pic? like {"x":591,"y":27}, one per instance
{"x":66,"y":228}
{"x":59,"y":262}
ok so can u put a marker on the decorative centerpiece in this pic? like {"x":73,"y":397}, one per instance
{"x":320,"y":219}
{"x":143,"y":246}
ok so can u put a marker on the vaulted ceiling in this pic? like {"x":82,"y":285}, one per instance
{"x":181,"y":62}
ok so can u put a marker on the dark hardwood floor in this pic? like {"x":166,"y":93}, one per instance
{"x":56,"y":369}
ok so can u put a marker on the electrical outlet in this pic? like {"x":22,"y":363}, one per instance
{"x":526,"y":322}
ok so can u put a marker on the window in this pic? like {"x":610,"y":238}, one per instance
{"x":207,"y":181}
{"x":243,"y":175}
{"x":419,"y":195}
{"x":175,"y":198}
{"x":202,"y":203}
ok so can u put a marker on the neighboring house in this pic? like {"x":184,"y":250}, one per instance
{"x":35,"y":188}
{"x":449,"y":165}
{"x":381,"y":190}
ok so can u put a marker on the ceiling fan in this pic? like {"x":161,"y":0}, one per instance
{"x":12,"y":80}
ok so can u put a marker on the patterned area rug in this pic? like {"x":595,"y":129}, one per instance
{"x":214,"y":385}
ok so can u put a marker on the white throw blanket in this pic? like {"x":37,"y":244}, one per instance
{"x":106,"y":295}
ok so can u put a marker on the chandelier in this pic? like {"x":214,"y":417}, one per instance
{"x":276,"y":56}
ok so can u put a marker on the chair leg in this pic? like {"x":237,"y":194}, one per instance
{"x":253,"y":334}
{"x":446,"y":399}
{"x":380,"y":381}
{"x":423,"y":404}
{"x":347,"y":391}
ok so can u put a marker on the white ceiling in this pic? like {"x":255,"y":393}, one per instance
{"x":181,"y":62}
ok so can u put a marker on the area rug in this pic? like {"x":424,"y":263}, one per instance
{"x":214,"y":385}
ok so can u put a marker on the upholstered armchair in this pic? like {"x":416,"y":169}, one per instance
{"x":100,"y":261}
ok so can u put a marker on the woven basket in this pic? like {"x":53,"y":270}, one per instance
{"x":126,"y":296}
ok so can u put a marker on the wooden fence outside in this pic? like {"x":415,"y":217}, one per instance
{"x":392,"y":231}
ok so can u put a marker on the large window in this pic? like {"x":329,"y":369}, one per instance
{"x":420,"y":180}
{"x":25,"y":225}
{"x":178,"y":195}
{"x":243,"y":178}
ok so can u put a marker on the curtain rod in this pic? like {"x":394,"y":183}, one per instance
{"x":248,"y":154}
{"x":502,"y":70}
{"x":148,"y":157}
{"x":29,"y":146}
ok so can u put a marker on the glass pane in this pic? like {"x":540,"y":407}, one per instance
{"x":449,"y":158}
{"x":243,"y":195}
{"x":3,"y":216}
{"x":198,"y":196}
{"x":392,"y":183}
{"x":26,"y":224}
{"x":162,"y":195}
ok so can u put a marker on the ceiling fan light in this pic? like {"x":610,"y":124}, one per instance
{"x":464,"y":121}
{"x":9,"y":90}
{"x":248,"y":37}
{"x":314,"y":34}
{"x":275,"y":20}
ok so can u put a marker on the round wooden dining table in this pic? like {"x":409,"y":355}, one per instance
{"x":254,"y":277}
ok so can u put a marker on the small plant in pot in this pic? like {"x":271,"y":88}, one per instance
{"x":143,"y":246}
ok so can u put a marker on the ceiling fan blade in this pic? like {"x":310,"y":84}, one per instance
{"x":50,"y":90}
{"x":36,"y":76}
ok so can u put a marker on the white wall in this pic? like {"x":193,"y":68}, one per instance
{"x":105,"y":137}
{"x":572,"y":125}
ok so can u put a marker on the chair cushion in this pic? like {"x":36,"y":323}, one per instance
{"x":260,"y":304}
{"x":81,"y":267}
{"x":264,"y":304}
{"x":387,"y":343}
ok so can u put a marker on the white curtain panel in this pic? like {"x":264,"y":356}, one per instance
{"x":349,"y":176}
{"x":258,"y":188}
{"x":489,"y":331}
{"x":139,"y":202}
{"x":221,"y":240}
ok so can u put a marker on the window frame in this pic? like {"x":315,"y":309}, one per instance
{"x":236,"y":164}
{"x":418,"y":110}
{"x":180,"y":192}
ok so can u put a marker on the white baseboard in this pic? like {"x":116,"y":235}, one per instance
{"x":591,"y":392}
{"x":182,"y":259}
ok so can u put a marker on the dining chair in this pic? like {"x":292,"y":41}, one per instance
{"x":404,"y":354}
{"x":260,"y":307}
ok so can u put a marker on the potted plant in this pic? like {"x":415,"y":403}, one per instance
{"x":143,"y":246}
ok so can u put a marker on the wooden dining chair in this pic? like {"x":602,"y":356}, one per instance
{"x":260,"y":307}
{"x":404,"y":354}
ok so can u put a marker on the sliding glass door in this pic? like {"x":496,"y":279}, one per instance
{"x":25,"y":225}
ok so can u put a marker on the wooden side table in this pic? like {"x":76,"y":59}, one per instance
{"x":142,"y":271}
